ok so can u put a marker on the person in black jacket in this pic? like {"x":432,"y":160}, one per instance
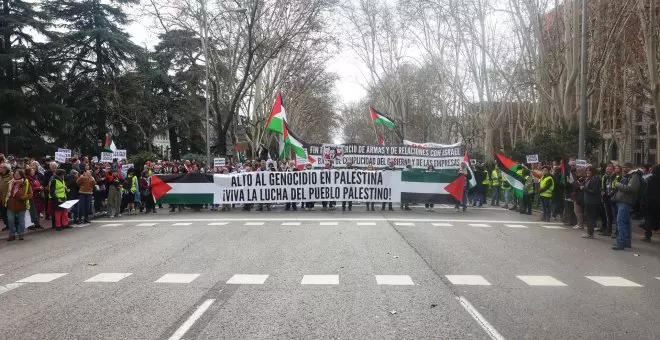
{"x":652,"y":200}
{"x":390,"y":167}
{"x":349,"y":165}
{"x":592,"y":200}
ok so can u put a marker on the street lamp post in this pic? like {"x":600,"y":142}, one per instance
{"x":6,"y":130}
{"x":205,"y":51}
{"x":583,"y":87}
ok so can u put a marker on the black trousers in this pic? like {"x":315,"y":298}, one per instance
{"x":291,"y":205}
{"x":428,"y":205}
{"x":592,"y":211}
{"x":389,"y":206}
{"x":610,"y":216}
{"x":527,"y":204}
{"x":344,"y":203}
{"x":569,"y":213}
{"x":326,"y":204}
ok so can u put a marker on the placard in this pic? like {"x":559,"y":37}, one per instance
{"x":119,"y":154}
{"x":106,"y":157}
{"x":125,"y":167}
{"x":532,"y":159}
{"x":219,"y":161}
{"x":60,"y":157}
{"x":66,"y":152}
{"x":68,"y":204}
{"x":581,"y":163}
{"x":95,"y":159}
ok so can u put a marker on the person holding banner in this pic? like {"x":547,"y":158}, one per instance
{"x":17,"y":202}
{"x":58,"y":192}
{"x":349,"y":165}
{"x":370,"y":167}
{"x":390,"y":167}
{"x":495,"y":182}
{"x":429,"y":206}
{"x":308,"y":205}
{"x":330,"y":204}
{"x":113,"y":183}
{"x":5,"y":178}
{"x":291,"y":205}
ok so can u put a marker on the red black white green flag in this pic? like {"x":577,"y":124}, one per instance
{"x":509,"y":168}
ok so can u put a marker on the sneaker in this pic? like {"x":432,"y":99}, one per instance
{"x":587,"y":236}
{"x":428,"y":209}
{"x":20,"y":237}
{"x":11,"y":238}
{"x":578,"y":227}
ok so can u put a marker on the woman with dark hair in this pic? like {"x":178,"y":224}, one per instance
{"x":652,"y":200}
{"x":36,"y":207}
{"x":145,"y":192}
{"x":58,"y":193}
{"x":592,"y":200}
{"x":17,"y":202}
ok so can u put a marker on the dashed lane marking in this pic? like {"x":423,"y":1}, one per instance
{"x":613,"y":281}
{"x":290,"y":223}
{"x":218,"y":223}
{"x":320,"y":280}
{"x":109,"y":277}
{"x":182,"y":224}
{"x":366,"y":223}
{"x":177,"y":278}
{"x":541,"y":281}
{"x":552,"y":227}
{"x":8,"y":287}
{"x":404,"y":224}
{"x":42,"y":278}
{"x":112,"y":225}
{"x":247,"y":279}
{"x":442,"y":224}
{"x":328,"y":223}
{"x":394,"y":280}
{"x":338,"y":218}
{"x":518,"y":226}
{"x":146,"y":224}
{"x":254,"y":223}
{"x":181,"y":331}
{"x":479,"y":225}
{"x":483,"y":323}
{"x":468,"y":280}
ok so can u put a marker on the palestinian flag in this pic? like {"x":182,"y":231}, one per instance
{"x":191,"y":188}
{"x":378,"y":118}
{"x":294,"y":143}
{"x":277,"y":119}
{"x":109,"y":145}
{"x":381,"y":140}
{"x":509,"y":168}
{"x":432,"y":187}
{"x":473,"y":181}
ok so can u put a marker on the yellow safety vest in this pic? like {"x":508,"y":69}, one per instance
{"x":26,"y":185}
{"x":529,"y":185}
{"x":495,"y":178}
{"x":550,"y":187}
{"x":485,"y":182}
{"x":60,"y":189}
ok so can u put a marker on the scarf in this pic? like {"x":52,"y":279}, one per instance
{"x":16,"y":185}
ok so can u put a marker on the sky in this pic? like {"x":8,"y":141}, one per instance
{"x":349,"y":87}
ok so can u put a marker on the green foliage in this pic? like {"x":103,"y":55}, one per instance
{"x":139,"y":159}
{"x":557,"y":144}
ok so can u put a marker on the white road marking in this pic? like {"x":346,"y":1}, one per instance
{"x":109,"y":277}
{"x":479,"y":225}
{"x":320,"y":280}
{"x":177,"y":278}
{"x":516,"y":226}
{"x":246,"y":279}
{"x":328,"y":223}
{"x":9,"y":286}
{"x":112,"y":225}
{"x":338,"y":218}
{"x":552,"y":227}
{"x":2,"y":274}
{"x":366,"y":223}
{"x":490,"y":330}
{"x":181,"y":331}
{"x":467,"y":280}
{"x":290,"y":223}
{"x":218,"y":223}
{"x":254,"y":223}
{"x":541,"y":281}
{"x":394,"y":280}
{"x":182,"y":223}
{"x":404,"y":224}
{"x":658,"y":277}
{"x":42,"y":278}
{"x":613,"y":281}
{"x":442,"y":224}
{"x":146,"y":224}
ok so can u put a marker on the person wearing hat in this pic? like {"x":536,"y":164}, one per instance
{"x":546,"y":187}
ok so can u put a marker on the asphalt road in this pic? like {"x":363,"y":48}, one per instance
{"x":484,"y":274}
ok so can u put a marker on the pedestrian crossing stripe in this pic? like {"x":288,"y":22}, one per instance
{"x":541,"y":281}
{"x":112,"y":225}
{"x":42,"y":278}
{"x":404,"y":224}
{"x":613,"y":281}
{"x":394,"y":280}
{"x":146,"y":224}
{"x":442,"y":224}
{"x":182,"y":224}
{"x":247,"y":279}
{"x":516,"y":226}
{"x":218,"y":223}
{"x":254,"y":223}
{"x":109,"y":277}
{"x":290,"y":223}
{"x":177,"y":278}
{"x":552,"y":227}
{"x":468,"y":280}
{"x":479,"y":225}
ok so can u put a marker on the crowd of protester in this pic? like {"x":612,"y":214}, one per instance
{"x":581,"y":197}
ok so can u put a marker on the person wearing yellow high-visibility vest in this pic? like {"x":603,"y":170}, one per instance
{"x":528,"y":193}
{"x":505,"y":189}
{"x":546,"y":187}
{"x":485,"y":183}
{"x":517,"y":203}
{"x":58,"y":192}
{"x":495,"y":180}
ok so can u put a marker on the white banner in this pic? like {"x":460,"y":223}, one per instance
{"x":106,"y":157}
{"x":119,"y":154}
{"x":95,"y":159}
{"x":309,"y":186}
{"x":362,"y":156}
{"x":430,"y":145}
{"x":532,"y":159}
{"x":219,"y":161}
{"x":66,"y":152}
{"x":60,"y":157}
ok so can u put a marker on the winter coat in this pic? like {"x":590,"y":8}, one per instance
{"x":20,"y":200}
{"x":592,"y":191}
{"x":86,"y":184}
{"x":628,"y":188}
{"x":653,"y":195}
{"x":4,"y":186}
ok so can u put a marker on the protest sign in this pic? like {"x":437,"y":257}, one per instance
{"x":106,"y":157}
{"x":60,"y":157}
{"x":581,"y":163}
{"x":219,"y":161}
{"x":379,"y":156}
{"x":119,"y":154}
{"x":430,"y":145}
{"x":95,"y":159}
{"x":125,"y":167}
{"x":532,"y":159}
{"x":68,"y":204}
{"x":66,"y":152}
